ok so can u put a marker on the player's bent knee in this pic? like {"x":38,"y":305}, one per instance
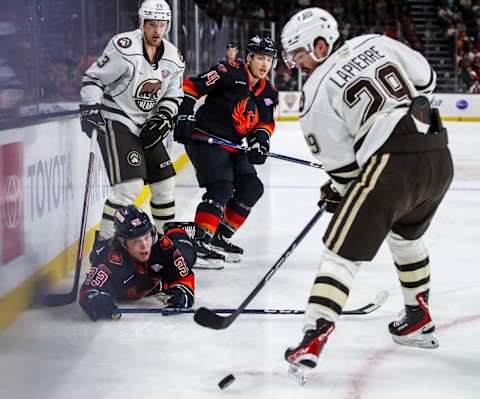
{"x":163,"y":191}
{"x":126,"y":192}
{"x":338,"y":266}
{"x":406,"y":251}
{"x":220,"y":192}
{"x":248,"y":189}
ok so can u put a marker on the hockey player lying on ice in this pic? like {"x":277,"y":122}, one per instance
{"x":137,"y":262}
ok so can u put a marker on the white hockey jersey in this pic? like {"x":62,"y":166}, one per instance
{"x":128,"y":86}
{"x":352,"y":102}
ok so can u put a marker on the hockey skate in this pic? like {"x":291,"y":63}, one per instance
{"x":206,"y":257}
{"x":415,"y":326}
{"x":221,"y":242}
{"x":305,"y":354}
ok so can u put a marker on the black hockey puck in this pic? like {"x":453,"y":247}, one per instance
{"x":226,"y":382}
{"x":116,"y":316}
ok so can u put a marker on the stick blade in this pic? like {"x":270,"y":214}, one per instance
{"x":52,"y":300}
{"x":206,"y":318}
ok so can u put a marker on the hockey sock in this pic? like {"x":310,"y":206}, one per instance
{"x":235,"y":215}
{"x":208,"y":215}
{"x":330,"y":289}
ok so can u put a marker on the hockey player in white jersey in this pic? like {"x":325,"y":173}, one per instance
{"x":131,"y":96}
{"x":364,"y":117}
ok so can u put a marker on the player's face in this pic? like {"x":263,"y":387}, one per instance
{"x":303,"y":60}
{"x":231,"y":53}
{"x":260,"y":65}
{"x":154,"y":31}
{"x":140,"y":247}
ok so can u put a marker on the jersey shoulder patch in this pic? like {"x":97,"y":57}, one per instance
{"x":128,"y":43}
{"x":115,"y":258}
{"x":124,"y":42}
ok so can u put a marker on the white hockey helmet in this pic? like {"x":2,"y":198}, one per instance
{"x":303,"y":28}
{"x":158,"y":10}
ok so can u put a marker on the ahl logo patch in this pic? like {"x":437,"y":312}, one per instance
{"x":134,"y":158}
{"x":268,"y":101}
{"x":124,"y":42}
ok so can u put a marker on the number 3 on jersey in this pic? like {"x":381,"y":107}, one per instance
{"x":388,"y":81}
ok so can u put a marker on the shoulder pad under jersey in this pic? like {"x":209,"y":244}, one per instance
{"x":171,"y":53}
{"x":129,"y":43}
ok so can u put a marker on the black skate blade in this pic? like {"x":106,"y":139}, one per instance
{"x":207,"y":318}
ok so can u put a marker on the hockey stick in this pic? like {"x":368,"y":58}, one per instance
{"x":226,"y":143}
{"x":69,"y":297}
{"x":208,"y":318}
{"x":378,"y":301}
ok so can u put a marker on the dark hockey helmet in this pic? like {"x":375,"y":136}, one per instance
{"x":232,"y":45}
{"x":261,"y":45}
{"x":132,"y":222}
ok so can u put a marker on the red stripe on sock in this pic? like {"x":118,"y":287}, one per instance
{"x":233,"y":219}
{"x":207,"y":221}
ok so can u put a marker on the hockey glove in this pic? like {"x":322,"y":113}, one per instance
{"x":156,"y":129}
{"x":179,"y":296}
{"x":91,"y":118}
{"x":330,"y":196}
{"x":259,"y":143}
{"x":184,"y":128}
{"x":98,"y":305}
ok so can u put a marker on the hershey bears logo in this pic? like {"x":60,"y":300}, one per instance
{"x":147,"y":94}
{"x":124,"y":42}
{"x":134,"y":158}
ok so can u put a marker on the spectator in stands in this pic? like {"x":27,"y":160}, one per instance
{"x":285,"y":81}
{"x":475,"y":87}
{"x":11,"y":91}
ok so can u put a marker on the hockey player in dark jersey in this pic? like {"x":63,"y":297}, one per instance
{"x":139,"y":262}
{"x":239,"y":105}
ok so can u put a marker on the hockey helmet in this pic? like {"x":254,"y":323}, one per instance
{"x":132,"y":222}
{"x":158,"y":10}
{"x":261,"y":45}
{"x":301,"y":31}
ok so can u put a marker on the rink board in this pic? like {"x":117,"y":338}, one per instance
{"x":453,"y":107}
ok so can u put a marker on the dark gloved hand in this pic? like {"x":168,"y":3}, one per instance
{"x":184,"y":128}
{"x":156,"y":129}
{"x":179,"y":297}
{"x":91,"y":118}
{"x":259,"y":143}
{"x":98,"y":305}
{"x":330,"y":196}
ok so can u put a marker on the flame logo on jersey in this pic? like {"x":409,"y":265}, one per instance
{"x":147,"y":94}
{"x":244,"y":120}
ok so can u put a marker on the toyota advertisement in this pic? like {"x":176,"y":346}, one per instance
{"x":12,"y":233}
